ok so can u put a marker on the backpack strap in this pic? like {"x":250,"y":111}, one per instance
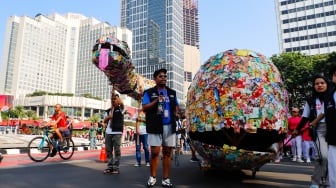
{"x":312,"y":106}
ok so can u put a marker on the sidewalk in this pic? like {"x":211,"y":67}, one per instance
{"x":17,"y":143}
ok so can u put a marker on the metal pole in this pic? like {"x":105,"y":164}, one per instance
{"x":136,"y":124}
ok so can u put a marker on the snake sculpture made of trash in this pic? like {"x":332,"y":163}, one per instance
{"x":112,"y":57}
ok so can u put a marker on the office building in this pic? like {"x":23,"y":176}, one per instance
{"x":89,"y":79}
{"x":306,"y":26}
{"x":80,"y":107}
{"x":192,"y":56}
{"x":53,"y":53}
{"x":158,"y":38}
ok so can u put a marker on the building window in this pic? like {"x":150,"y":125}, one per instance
{"x":188,"y":76}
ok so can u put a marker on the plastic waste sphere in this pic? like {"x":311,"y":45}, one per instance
{"x":238,"y":90}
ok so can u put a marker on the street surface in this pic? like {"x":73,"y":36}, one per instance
{"x":84,"y":170}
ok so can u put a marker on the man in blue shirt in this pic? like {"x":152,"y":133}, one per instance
{"x":161,"y":106}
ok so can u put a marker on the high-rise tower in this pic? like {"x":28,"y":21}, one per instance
{"x":192,"y":56}
{"x":157,"y":27}
{"x":191,"y":23}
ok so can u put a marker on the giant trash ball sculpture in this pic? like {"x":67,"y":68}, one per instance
{"x":237,"y":109}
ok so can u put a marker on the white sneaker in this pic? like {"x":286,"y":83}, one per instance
{"x":147,"y":164}
{"x":299,"y":160}
{"x":294,"y":159}
{"x":166,"y":183}
{"x":151,"y":181}
{"x":137,"y":165}
{"x":308,"y":161}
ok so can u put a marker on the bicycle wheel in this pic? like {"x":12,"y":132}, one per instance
{"x":38,"y":149}
{"x":67,"y":151}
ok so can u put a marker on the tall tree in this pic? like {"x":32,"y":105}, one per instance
{"x":296,"y":71}
{"x":323,"y":63}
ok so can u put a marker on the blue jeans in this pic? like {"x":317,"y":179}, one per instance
{"x":93,"y":142}
{"x":142,"y":140}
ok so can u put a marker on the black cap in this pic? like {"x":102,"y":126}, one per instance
{"x":157,"y":72}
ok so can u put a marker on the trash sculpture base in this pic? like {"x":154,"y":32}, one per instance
{"x":230,"y":151}
{"x":229,"y":158}
{"x":260,"y":141}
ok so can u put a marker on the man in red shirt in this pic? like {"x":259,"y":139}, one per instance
{"x":59,"y":122}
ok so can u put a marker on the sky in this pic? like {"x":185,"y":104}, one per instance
{"x":224,"y":24}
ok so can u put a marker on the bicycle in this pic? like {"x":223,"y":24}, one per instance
{"x":40,"y":148}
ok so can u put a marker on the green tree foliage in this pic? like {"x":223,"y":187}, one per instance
{"x":296,"y":71}
{"x":95,"y":118}
{"x":31,"y":115}
{"x":323,"y":63}
{"x":19,"y":112}
{"x":11,"y":113}
{"x":88,"y":95}
{"x":37,"y":93}
{"x":4,"y":116}
{"x":41,"y":93}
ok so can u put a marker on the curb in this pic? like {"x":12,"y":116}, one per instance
{"x":17,"y":151}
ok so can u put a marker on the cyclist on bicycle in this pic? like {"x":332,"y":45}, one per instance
{"x":58,"y":124}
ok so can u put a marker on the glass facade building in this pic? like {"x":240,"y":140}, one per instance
{"x":157,"y":27}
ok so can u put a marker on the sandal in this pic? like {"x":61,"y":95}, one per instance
{"x":107,"y":171}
